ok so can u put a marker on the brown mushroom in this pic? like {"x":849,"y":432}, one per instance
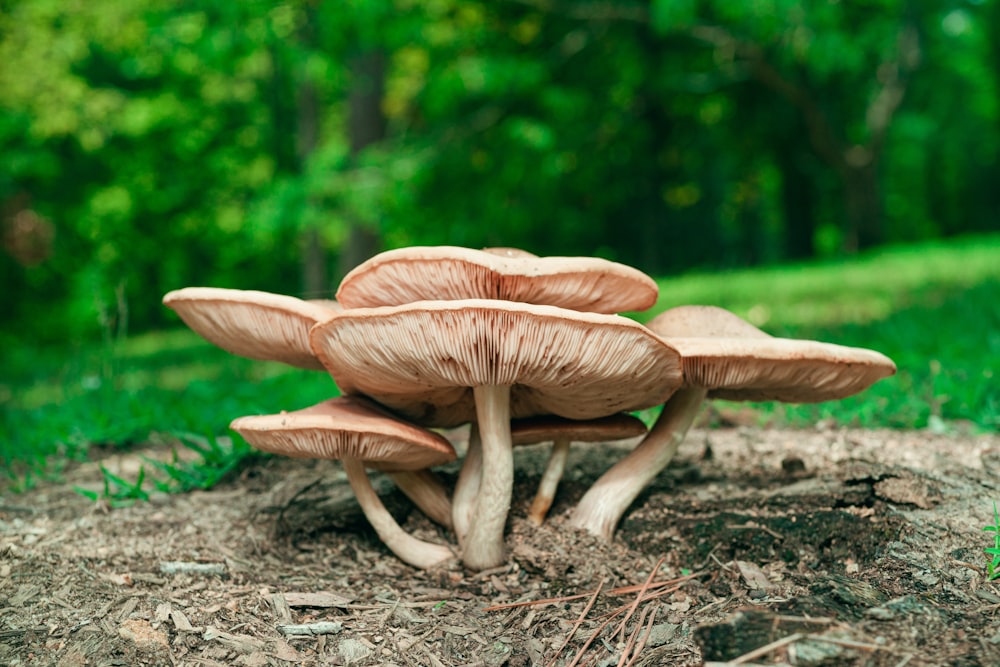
{"x":358,"y":432}
{"x":508,"y":358}
{"x":724,"y":357}
{"x":413,"y":274}
{"x":258,"y":325}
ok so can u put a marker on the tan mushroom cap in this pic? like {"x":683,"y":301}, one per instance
{"x":413,"y":274}
{"x":533,"y":430}
{"x":422,"y":359}
{"x":258,"y":325}
{"x":504,"y":251}
{"x":735,"y":360}
{"x":347,"y":427}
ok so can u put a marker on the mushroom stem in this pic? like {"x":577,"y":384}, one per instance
{"x":600,"y":509}
{"x":427,"y":493}
{"x":467,"y":485}
{"x":484,"y":546}
{"x":549,"y":482}
{"x":409,"y":549}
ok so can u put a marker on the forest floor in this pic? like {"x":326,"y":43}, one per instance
{"x":824,"y":547}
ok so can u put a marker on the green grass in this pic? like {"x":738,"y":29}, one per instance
{"x":166,"y":386}
{"x":933,"y":308}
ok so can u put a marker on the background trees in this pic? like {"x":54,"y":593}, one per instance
{"x":150,"y":145}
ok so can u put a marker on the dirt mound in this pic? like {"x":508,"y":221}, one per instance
{"x":835,"y":547}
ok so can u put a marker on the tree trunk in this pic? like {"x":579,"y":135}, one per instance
{"x":864,"y":219}
{"x":314,"y":251}
{"x":366,"y":125}
{"x":798,"y":204}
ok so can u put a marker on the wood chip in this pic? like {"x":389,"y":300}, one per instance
{"x":180,"y":621}
{"x":311,"y":629}
{"x":184,"y":567}
{"x":128,"y":608}
{"x":754,"y":577}
{"x":162,"y":612}
{"x":23,"y":594}
{"x":319,"y":599}
{"x":242,"y":643}
{"x":284,"y":651}
{"x":281,"y":610}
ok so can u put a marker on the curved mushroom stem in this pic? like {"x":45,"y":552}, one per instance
{"x":427,"y":493}
{"x":550,"y":481}
{"x":600,"y":509}
{"x":484,"y":542}
{"x":467,"y":486}
{"x":409,"y":549}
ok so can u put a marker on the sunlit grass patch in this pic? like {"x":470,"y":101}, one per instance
{"x":933,"y":308}
{"x":867,"y":288}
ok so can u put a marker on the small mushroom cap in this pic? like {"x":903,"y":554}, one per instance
{"x":422,"y":359}
{"x":533,"y":430}
{"x":413,"y":274}
{"x":258,"y":325}
{"x":736,"y":361}
{"x":347,"y":427}
{"x":703,"y":322}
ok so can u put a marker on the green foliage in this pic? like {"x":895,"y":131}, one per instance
{"x":172,"y":388}
{"x":118,"y":492}
{"x":993,"y":566}
{"x":216,"y":461}
{"x":150,"y":145}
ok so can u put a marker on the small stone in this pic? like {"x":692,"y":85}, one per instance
{"x":880,"y":613}
{"x":807,"y":653}
{"x":661,"y":633}
{"x":793,"y":465}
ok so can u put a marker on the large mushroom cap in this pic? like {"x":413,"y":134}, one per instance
{"x":347,"y":427}
{"x":413,"y":274}
{"x":421,"y":359}
{"x":735,"y":360}
{"x":258,"y":325}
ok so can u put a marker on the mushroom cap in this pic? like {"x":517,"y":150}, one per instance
{"x":504,"y":251}
{"x":347,"y":427}
{"x":258,"y":325}
{"x":533,"y":430}
{"x":736,"y":361}
{"x":406,"y":275}
{"x":422,"y":359}
{"x":702,"y":322}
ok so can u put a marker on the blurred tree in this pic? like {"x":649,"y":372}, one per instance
{"x":149,"y":145}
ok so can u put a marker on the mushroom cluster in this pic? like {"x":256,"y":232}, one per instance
{"x":526,"y":349}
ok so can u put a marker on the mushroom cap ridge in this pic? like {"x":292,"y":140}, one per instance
{"x":422,"y":359}
{"x":253,"y":324}
{"x":405,"y":275}
{"x":347,"y":427}
{"x":735,"y":360}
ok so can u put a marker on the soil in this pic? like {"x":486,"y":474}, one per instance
{"x":758,"y":546}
